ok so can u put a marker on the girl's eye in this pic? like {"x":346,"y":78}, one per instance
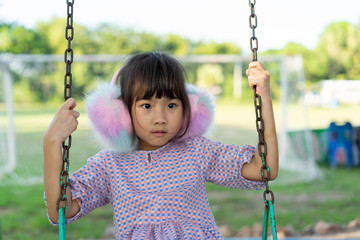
{"x":172,"y":105}
{"x":146,"y":106}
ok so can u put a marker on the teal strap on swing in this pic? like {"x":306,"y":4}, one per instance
{"x":272,"y":217}
{"x":62,"y":233}
{"x":269,"y":209}
{"x":266,"y":220}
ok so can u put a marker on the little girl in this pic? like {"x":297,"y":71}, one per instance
{"x":157,"y":161}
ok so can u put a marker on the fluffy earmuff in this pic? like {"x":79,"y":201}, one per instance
{"x":111,"y":121}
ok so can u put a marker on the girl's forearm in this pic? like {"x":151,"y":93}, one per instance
{"x":272,"y":158}
{"x":52,"y":168}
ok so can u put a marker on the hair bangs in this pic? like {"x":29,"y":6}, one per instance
{"x":156,"y":78}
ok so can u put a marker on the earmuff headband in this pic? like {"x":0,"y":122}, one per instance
{"x":111,"y":121}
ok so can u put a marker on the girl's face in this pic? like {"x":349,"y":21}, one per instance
{"x":156,"y":121}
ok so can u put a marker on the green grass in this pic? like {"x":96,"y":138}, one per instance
{"x":23,"y":216}
{"x":333,"y":198}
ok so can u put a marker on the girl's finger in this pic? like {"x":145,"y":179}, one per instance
{"x":255,"y":64}
{"x":253,"y":82}
{"x":253,"y":72}
{"x":76,"y":124}
{"x":76,"y":114}
{"x":70,"y":104}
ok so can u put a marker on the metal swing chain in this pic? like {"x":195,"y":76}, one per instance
{"x":253,"y":25}
{"x":262,"y":147}
{"x":64,"y":175}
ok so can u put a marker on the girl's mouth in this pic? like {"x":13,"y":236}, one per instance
{"x":159,"y":133}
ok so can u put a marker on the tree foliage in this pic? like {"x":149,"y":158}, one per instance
{"x":216,"y":48}
{"x":17,"y":39}
{"x":339,"y":47}
{"x":336,"y":56}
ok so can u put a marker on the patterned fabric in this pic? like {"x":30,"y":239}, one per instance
{"x":161,"y":194}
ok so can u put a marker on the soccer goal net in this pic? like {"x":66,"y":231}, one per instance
{"x":298,"y":151}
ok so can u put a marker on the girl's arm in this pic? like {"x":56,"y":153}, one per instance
{"x":64,"y":123}
{"x":259,"y":76}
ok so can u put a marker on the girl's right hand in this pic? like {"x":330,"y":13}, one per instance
{"x":64,"y":122}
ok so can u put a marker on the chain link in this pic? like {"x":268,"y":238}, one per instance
{"x":68,"y":59}
{"x":69,"y":53}
{"x":254,"y":46}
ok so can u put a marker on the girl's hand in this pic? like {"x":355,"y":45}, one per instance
{"x":259,"y":76}
{"x":64,"y":122}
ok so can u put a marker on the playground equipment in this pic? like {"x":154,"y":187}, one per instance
{"x":340,"y":144}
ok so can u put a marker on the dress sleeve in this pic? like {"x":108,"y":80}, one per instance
{"x":221,"y":164}
{"x":90,"y":186}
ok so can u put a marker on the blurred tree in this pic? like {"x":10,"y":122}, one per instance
{"x":216,"y":78}
{"x":176,"y":45}
{"x":29,"y":86}
{"x":338,"y":51}
{"x":216,"y":48}
{"x":210,"y":77}
{"x":312,"y":66}
{"x":18,"y":39}
{"x":110,"y":39}
{"x":144,"y":42}
{"x":54,"y":32}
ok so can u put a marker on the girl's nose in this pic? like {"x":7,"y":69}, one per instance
{"x":160,"y":118}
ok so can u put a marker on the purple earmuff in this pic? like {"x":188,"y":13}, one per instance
{"x":111,"y":120}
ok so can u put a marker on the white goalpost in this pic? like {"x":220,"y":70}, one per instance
{"x":7,"y":127}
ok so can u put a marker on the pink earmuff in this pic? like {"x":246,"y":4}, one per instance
{"x":115,"y":77}
{"x":111,"y":120}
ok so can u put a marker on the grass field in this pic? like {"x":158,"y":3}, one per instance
{"x":333,"y":198}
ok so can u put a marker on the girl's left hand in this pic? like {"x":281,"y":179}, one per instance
{"x":259,"y":76}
